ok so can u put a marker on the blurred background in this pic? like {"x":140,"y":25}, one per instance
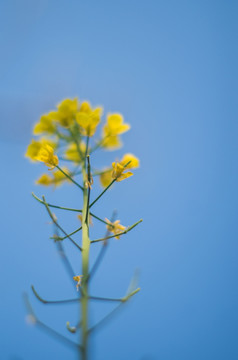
{"x":170,"y":67}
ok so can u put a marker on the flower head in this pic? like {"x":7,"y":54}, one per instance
{"x":78,"y":278}
{"x":66,"y":113}
{"x":115,"y":227}
{"x":130,"y":161}
{"x":47,"y":156}
{"x":114,"y":127}
{"x":34,"y":147}
{"x":88,"y":119}
{"x":118,"y":172}
{"x":45,"y":125}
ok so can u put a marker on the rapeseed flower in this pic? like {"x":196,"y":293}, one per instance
{"x":47,"y":156}
{"x":115,"y":227}
{"x":66,"y":113}
{"x":114,"y":127}
{"x":45,"y":125}
{"x":88,"y":119}
{"x":35,"y":145}
{"x":131,"y":159}
{"x":118,"y":172}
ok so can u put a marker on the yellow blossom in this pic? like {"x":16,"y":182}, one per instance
{"x":47,"y":156}
{"x":106,"y":178}
{"x":88,"y":119}
{"x":115,"y":227}
{"x":80,"y":217}
{"x":45,"y":125}
{"x":66,"y":113}
{"x":115,"y":125}
{"x":34,"y":147}
{"x":78,"y":278}
{"x":45,"y":180}
{"x":131,"y":159}
{"x":118,"y":172}
{"x":56,"y":178}
{"x":72,"y":152}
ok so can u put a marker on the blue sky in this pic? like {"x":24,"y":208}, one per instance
{"x":170,"y":67}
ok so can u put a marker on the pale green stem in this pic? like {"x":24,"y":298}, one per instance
{"x":85,"y":270}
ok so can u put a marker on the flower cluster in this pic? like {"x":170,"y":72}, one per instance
{"x":66,"y":130}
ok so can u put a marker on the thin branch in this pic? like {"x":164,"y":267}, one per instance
{"x":102,"y":251}
{"x":103,"y":192}
{"x":69,"y":177}
{"x":65,"y":260}
{"x":68,"y":209}
{"x":59,"y":238}
{"x":118,"y":234}
{"x":67,"y":301}
{"x":114,"y":311}
{"x":56,"y":223}
{"x":89,"y":184}
{"x":55,"y":206}
{"x":44,"y":301}
{"x":45,"y":327}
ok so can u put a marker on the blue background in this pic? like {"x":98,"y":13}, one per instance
{"x":170,"y":67}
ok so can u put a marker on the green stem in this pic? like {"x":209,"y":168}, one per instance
{"x":85,"y":270}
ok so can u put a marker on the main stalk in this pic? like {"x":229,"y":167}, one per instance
{"x":85,"y":270}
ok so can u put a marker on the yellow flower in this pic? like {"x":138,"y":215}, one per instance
{"x":88,"y":119}
{"x":72,"y":152}
{"x":78,"y":278}
{"x":115,"y":227}
{"x":34,"y":147}
{"x":45,"y":125}
{"x":80,"y":217}
{"x":47,"y":156}
{"x":66,"y":113}
{"x":45,"y":180}
{"x":106,"y":178}
{"x":134,"y":161}
{"x":114,"y":127}
{"x":56,"y":179}
{"x":118,"y":172}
